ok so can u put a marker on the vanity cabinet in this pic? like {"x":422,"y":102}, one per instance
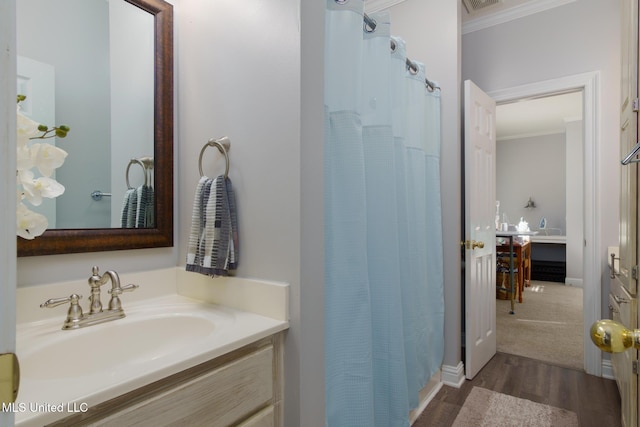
{"x":240,"y":388}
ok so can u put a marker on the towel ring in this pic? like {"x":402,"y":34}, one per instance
{"x":223,"y":144}
{"x":144,"y":171}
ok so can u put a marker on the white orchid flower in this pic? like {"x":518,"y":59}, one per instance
{"x":47,"y":157}
{"x":24,"y":160}
{"x":19,"y":196}
{"x":29,"y":224}
{"x":27,"y":129}
{"x":34,"y":189}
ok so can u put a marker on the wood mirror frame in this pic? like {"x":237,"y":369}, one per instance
{"x":65,"y":241}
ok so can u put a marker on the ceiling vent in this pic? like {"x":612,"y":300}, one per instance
{"x":474,"y":6}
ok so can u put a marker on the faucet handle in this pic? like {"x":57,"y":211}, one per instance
{"x":74,"y":314}
{"x":54,"y":302}
{"x":128,"y":288}
{"x":114,"y":303}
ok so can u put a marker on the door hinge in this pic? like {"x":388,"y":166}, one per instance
{"x":9,"y":378}
{"x":636,"y":104}
{"x":634,"y":367}
{"x":634,"y":272}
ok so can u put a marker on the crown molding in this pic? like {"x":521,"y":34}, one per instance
{"x":530,"y":135}
{"x":510,"y":14}
{"x":378,"y":5}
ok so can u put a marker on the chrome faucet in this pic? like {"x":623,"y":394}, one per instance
{"x":76,"y":318}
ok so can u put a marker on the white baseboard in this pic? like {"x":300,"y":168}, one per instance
{"x":573,"y":281}
{"x":426,"y":395}
{"x":607,"y":369}
{"x":453,"y":375}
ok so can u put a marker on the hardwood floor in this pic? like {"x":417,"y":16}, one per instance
{"x":595,"y":400}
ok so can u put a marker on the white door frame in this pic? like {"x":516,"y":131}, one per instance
{"x":7,"y":184}
{"x":589,"y":83}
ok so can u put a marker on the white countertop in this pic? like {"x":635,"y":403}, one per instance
{"x":515,"y":233}
{"x":561,"y":240}
{"x":244,"y":311}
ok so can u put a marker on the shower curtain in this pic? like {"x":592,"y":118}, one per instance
{"x":384,"y":304}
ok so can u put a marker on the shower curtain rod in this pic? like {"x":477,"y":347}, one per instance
{"x":370,"y":26}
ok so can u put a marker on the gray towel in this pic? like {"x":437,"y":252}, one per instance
{"x":130,"y":208}
{"x":150,"y":216}
{"x":145,"y":208}
{"x":213,"y":240}
{"x":194,"y":254}
{"x":126,"y":208}
{"x":138,"y":208}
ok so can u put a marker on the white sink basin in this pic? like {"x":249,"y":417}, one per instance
{"x":138,"y":339}
{"x":156,"y":330}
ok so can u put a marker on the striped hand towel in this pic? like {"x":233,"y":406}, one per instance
{"x":126,"y":207}
{"x":213,"y":242}
{"x":145,"y":207}
{"x":129,"y":208}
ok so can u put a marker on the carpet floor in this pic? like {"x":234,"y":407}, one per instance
{"x":546,"y":326}
{"x":484,"y":408}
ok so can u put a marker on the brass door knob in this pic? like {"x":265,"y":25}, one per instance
{"x":475,"y":244}
{"x":472,"y":244}
{"x":613,"y":337}
{"x":9,"y":378}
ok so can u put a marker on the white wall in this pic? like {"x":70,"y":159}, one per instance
{"x":532,"y":167}
{"x":306,"y":372}
{"x":239,"y":75}
{"x":432,"y":31}
{"x":579,"y":37}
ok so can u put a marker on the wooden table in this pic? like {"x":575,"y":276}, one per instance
{"x":522,"y":262}
{"x":510,"y":248}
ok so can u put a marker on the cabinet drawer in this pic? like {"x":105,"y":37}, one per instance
{"x":264,"y":418}
{"x":219,"y":398}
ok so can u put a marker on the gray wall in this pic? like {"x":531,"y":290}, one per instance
{"x":239,"y":75}
{"x":532,"y":167}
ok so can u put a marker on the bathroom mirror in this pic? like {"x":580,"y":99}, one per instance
{"x":70,"y":238}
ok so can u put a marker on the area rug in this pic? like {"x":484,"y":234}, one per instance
{"x":547,"y":326}
{"x":486,"y":408}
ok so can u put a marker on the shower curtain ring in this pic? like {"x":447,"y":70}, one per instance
{"x":369,"y":24}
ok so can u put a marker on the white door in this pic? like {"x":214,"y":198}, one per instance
{"x":480,"y":234}
{"x":629,"y":138}
{"x":7,"y":186}
{"x":627,"y":312}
